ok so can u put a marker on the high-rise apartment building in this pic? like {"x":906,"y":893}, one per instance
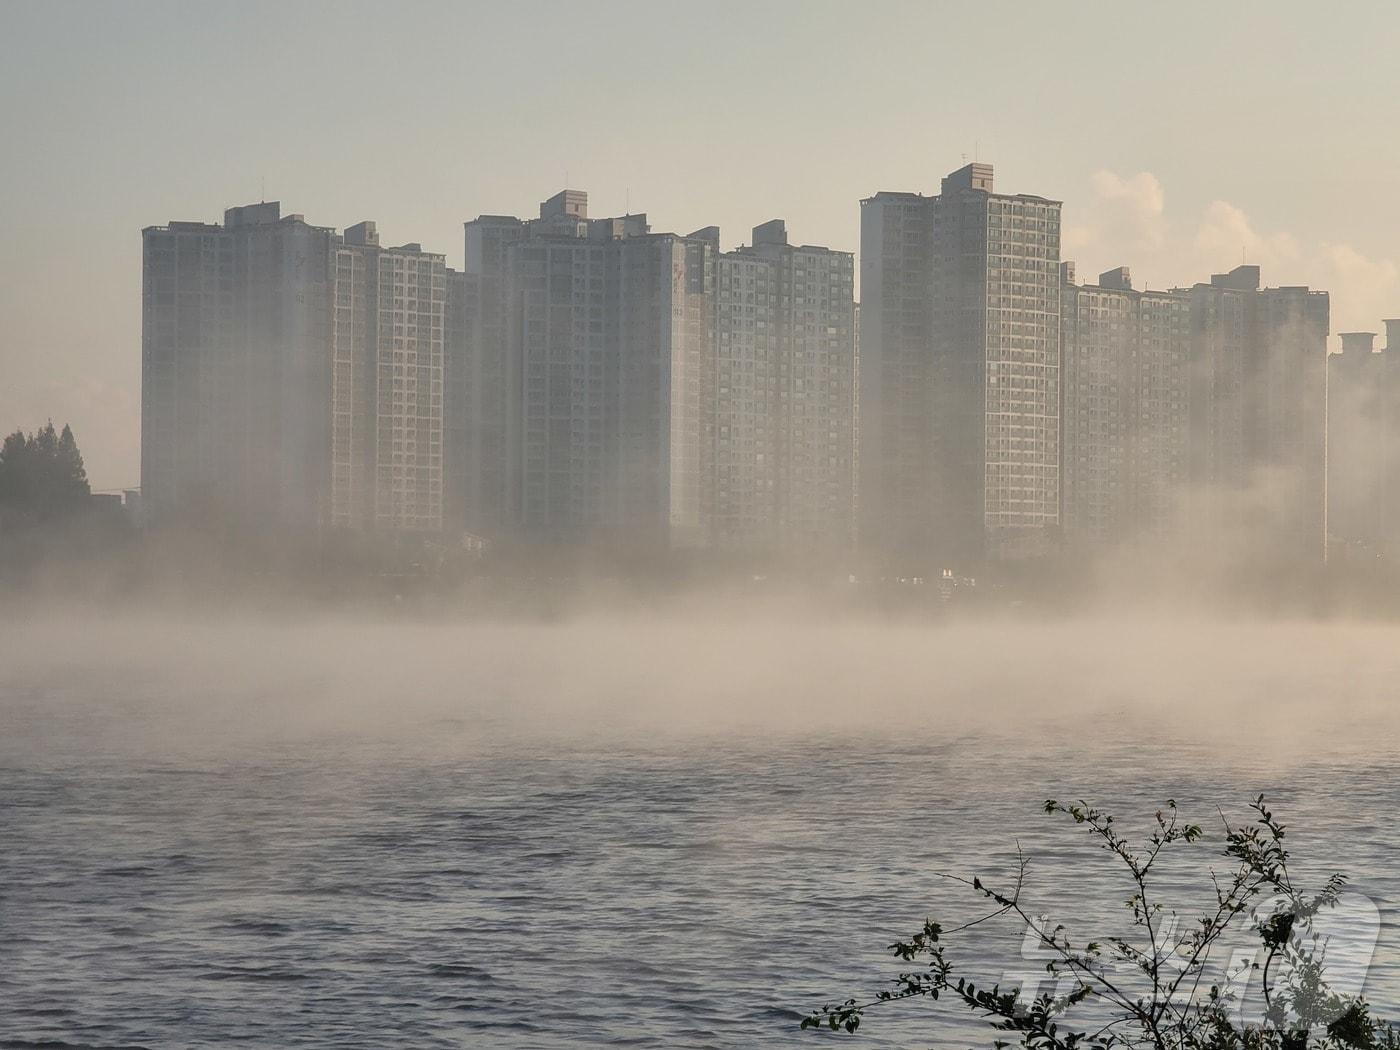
{"x":291,"y":378}
{"x":584,"y":378}
{"x":665,"y":451}
{"x":1257,"y":396}
{"x":784,"y":399}
{"x":657,"y":389}
{"x":1363,"y":442}
{"x":484,"y":466}
{"x":1124,"y":356}
{"x":234,"y":406}
{"x":387,"y":348}
{"x":897,"y":488}
{"x":959,"y":374}
{"x":812,"y":417}
{"x":746,"y":362}
{"x":561,"y":287}
{"x":462,"y":398}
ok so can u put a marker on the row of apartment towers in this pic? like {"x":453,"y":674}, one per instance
{"x":588,"y":381}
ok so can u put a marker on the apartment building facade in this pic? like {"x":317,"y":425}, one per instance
{"x":291,"y":377}
{"x":388,"y":346}
{"x":1124,"y":368}
{"x":234,"y":412}
{"x":1257,"y":416}
{"x":1363,"y":444}
{"x":959,"y":374}
{"x":658,"y":388}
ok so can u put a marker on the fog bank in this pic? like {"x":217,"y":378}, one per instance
{"x":163,"y":686}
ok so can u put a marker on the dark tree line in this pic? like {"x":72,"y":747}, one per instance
{"x":42,"y":478}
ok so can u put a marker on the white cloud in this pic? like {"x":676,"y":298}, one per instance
{"x":1136,"y":202}
{"x":1364,"y":290}
{"x":1126,"y":215}
{"x":1126,"y":222}
{"x":1225,"y":233}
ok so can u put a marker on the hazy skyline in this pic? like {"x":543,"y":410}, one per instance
{"x":423,"y":116}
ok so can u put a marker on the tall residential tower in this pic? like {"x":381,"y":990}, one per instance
{"x":959,"y":373}
{"x":1363,"y":442}
{"x":292,"y":379}
{"x":785,"y":396}
{"x":620,"y":385}
{"x":1257,"y":395}
{"x":235,"y":410}
{"x":388,"y":342}
{"x":1124,"y":414}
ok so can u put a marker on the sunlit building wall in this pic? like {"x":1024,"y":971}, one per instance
{"x":1124,"y":356}
{"x":960,"y":363}
{"x":387,"y":388}
{"x":811,"y":408}
{"x":668,"y":393}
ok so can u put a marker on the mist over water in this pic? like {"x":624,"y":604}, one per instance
{"x":675,"y":827}
{"x":162,"y":686}
{"x":445,"y":603}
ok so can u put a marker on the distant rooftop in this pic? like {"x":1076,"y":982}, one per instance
{"x":571,"y":203}
{"x":261,"y":214}
{"x":970,"y":178}
{"x":1244,"y":278}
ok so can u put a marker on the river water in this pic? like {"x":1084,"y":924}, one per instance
{"x":629,"y":834}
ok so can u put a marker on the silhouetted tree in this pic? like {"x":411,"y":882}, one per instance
{"x":42,"y":477}
{"x":1152,"y":989}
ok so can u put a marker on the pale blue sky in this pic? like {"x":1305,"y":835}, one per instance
{"x":1181,"y":136}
